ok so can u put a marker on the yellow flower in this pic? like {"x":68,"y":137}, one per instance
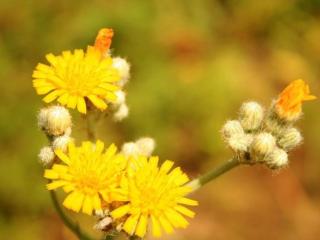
{"x":74,"y":78}
{"x":288,"y":105}
{"x":156,"y":195}
{"x":89,"y":175}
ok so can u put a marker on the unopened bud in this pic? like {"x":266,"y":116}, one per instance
{"x":251,"y":116}
{"x":123,"y":68}
{"x":262,"y":145}
{"x":59,"y":120}
{"x":231,"y":128}
{"x":277,"y":159}
{"x":145,"y":146}
{"x":121,"y":113}
{"x":61,"y":142}
{"x":240,"y":143}
{"x":290,"y":138}
{"x":121,"y":98}
{"x":46,"y":156}
{"x":103,"y":223}
{"x":130,"y":149}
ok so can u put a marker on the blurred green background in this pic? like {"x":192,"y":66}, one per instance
{"x":193,"y":63}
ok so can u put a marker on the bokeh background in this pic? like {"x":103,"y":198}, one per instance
{"x":193,"y":63}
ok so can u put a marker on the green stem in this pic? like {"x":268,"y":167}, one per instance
{"x":214,"y":173}
{"x":74,"y":227}
{"x":111,"y":235}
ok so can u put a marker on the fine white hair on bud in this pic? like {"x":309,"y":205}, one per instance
{"x":240,"y":143}
{"x":230,"y":128}
{"x":123,"y":68}
{"x":121,"y":113}
{"x":274,"y":126}
{"x":251,"y":115}
{"x":277,"y":159}
{"x":43,"y":118}
{"x":262,"y":145}
{"x":145,"y":146}
{"x":103,"y":223}
{"x":121,"y":98}
{"x":130,"y":149}
{"x":290,"y":138}
{"x":61,"y":142}
{"x":58,"y":120}
{"x":46,"y":156}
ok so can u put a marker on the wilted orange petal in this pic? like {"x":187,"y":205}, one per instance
{"x":290,"y":99}
{"x":103,"y":39}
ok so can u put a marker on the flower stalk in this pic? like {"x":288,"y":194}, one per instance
{"x":214,"y":173}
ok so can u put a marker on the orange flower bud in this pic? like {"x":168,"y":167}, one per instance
{"x":103,"y":39}
{"x":288,"y":105}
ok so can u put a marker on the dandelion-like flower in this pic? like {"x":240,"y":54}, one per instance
{"x":288,"y":105}
{"x":75,"y":77}
{"x":89,"y":175}
{"x":156,"y":195}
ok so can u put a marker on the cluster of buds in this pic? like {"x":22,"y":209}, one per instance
{"x":266,"y":137}
{"x":121,"y":109}
{"x":56,"y":123}
{"x":142,"y":147}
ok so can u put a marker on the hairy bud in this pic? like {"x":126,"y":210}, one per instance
{"x":262,"y":145}
{"x":251,"y":116}
{"x":61,"y":142}
{"x":58,"y":120}
{"x":277,"y":159}
{"x":46,"y":156}
{"x":123,"y":68}
{"x":240,"y":143}
{"x":231,"y":128}
{"x":145,"y":146}
{"x":290,"y":138}
{"x":121,"y":113}
{"x":121,"y":98}
{"x":130,"y":149}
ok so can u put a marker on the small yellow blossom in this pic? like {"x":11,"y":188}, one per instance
{"x":74,"y":78}
{"x":288,"y":105}
{"x":89,"y":175}
{"x":156,"y":195}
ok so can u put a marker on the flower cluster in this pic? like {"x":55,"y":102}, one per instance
{"x":84,"y":79}
{"x":129,"y":190}
{"x":260,"y":136}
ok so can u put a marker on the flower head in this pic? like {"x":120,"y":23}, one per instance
{"x":156,"y":195}
{"x":75,"y":77}
{"x":89,"y":175}
{"x":288,"y":105}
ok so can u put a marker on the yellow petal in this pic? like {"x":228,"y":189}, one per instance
{"x":142,"y":226}
{"x":131,"y":223}
{"x":62,"y":156}
{"x":98,"y":102}
{"x":188,"y":201}
{"x":56,"y":184}
{"x":82,"y":105}
{"x":87,"y":205}
{"x":184,"y":211}
{"x":51,"y":174}
{"x":120,"y":211}
{"x":156,"y":228}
